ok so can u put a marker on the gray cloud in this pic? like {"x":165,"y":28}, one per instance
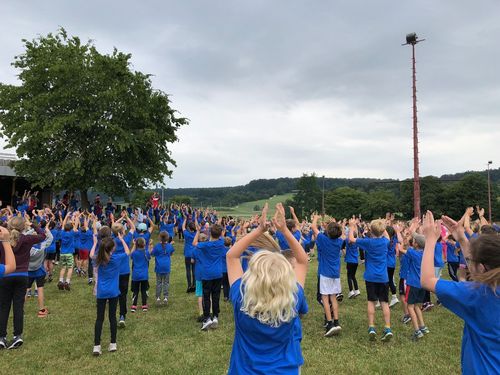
{"x":285,"y":87}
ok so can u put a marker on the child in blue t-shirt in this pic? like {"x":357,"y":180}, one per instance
{"x":415,"y":295}
{"x":351,"y":261}
{"x":329,"y":246}
{"x":376,"y":278}
{"x":225,"y":281}
{"x":162,"y":252}
{"x":267,"y":299}
{"x":452,"y":258}
{"x":189,"y":256}
{"x":140,"y":275}
{"x":68,"y":239}
{"x":476,"y":302}
{"x":108,"y":263}
{"x":403,"y":275}
{"x":210,"y":254}
{"x":50,"y":252}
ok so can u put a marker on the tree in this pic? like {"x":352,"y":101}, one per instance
{"x":179,"y":199}
{"x":344,"y":202}
{"x":81,"y":119}
{"x":308,"y":198}
{"x":380,"y":202}
{"x":431,"y":196}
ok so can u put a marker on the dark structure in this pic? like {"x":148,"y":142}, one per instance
{"x":412,"y":39}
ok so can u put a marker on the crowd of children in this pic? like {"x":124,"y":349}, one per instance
{"x":260,"y":266}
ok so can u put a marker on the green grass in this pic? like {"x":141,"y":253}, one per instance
{"x":247,"y":209}
{"x":168,"y":340}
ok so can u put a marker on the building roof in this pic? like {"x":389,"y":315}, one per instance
{"x":5,"y":162}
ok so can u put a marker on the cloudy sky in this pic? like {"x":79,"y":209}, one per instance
{"x":278,"y":88}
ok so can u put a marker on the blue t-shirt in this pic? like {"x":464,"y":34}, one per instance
{"x":108,"y":276}
{"x":260,"y":348}
{"x":414,"y":263}
{"x":375,"y":258}
{"x":403,"y":266}
{"x":224,"y":263}
{"x":451,"y":257}
{"x":188,"y":243}
{"x":68,"y":241}
{"x":125,"y":266}
{"x":197,"y":265}
{"x":391,"y":252}
{"x":140,"y":265}
{"x":210,"y":254}
{"x":351,"y":253}
{"x":438,"y":255}
{"x":52,"y":248}
{"x":2,"y":270}
{"x":478,"y":306}
{"x":329,"y":263}
{"x":145,"y":235}
{"x":86,"y":240}
{"x":282,"y":240}
{"x":162,"y":253}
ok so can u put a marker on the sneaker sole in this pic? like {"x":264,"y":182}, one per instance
{"x":16,"y":345}
{"x":386,"y":338}
{"x":373,"y":336}
{"x":96,"y":354}
{"x":214,"y":325}
{"x":330,"y":332}
{"x":121,"y":324}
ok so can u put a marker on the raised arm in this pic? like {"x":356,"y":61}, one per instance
{"x":197,"y":235}
{"x":125,"y":245}
{"x":432,"y":231}
{"x":352,"y":229}
{"x":480,"y":212}
{"x":10,"y":259}
{"x":234,"y":269}
{"x":94,"y":244}
{"x":314,"y":225}
{"x":151,"y":225}
{"x":297,"y":250}
{"x":294,"y":217}
{"x":468,"y":213}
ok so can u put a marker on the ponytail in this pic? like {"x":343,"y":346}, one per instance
{"x":490,"y":278}
{"x":485,"y":250}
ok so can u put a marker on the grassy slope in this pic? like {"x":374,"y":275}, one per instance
{"x":168,"y":340}
{"x":246,"y":209}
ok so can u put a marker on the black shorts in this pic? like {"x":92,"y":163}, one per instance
{"x":40,"y":282}
{"x":402,"y":284}
{"x":414,"y":295}
{"x":50,"y":256}
{"x":377,"y":291}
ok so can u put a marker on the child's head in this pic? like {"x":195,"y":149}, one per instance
{"x":164,"y":237}
{"x":202,"y":237}
{"x":228,"y":241}
{"x":334,"y":230}
{"x":117,"y":228}
{"x":104,"y":232}
{"x":377,"y":227}
{"x":215,"y":231}
{"x":289,"y":256}
{"x":52,"y":225}
{"x":270,"y":287}
{"x":191,"y":226}
{"x":16,"y":226}
{"x":451,"y":239}
{"x":291,"y":225}
{"x":485,"y":260}
{"x":142,"y":228}
{"x":68,"y":227}
{"x":390,"y":231}
{"x":488,"y":229}
{"x":140,"y":243}
{"x":105,"y":249}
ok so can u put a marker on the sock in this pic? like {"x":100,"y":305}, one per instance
{"x":68,"y":281}
{"x":61,"y":279}
{"x":387,"y":327}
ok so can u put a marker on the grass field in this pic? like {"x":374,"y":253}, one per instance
{"x":247,"y":209}
{"x":168,"y":339}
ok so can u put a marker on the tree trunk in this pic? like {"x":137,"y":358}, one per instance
{"x":85,"y":199}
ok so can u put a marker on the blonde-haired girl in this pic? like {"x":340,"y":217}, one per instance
{"x":267,"y":300}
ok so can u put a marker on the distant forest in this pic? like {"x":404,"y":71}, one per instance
{"x":264,"y":188}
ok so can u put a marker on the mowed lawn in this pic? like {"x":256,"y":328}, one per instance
{"x":246,"y":209}
{"x":168,"y":339}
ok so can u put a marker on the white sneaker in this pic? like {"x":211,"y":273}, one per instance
{"x":165,"y":300}
{"x":206,"y":324}
{"x":351,"y":294}
{"x":97,"y":350}
{"x":377,"y":304}
{"x":112,"y":347}
{"x":357,"y":293}
{"x":215,"y":323}
{"x":158,"y":300}
{"x":394,"y":300}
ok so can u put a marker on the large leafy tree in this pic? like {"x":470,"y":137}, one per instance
{"x":84,"y":120}
{"x":308,"y":197}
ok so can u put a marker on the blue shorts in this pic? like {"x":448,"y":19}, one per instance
{"x":199,"y":289}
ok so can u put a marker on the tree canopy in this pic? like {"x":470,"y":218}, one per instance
{"x":81,"y":119}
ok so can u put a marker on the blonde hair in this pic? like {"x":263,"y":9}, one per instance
{"x":269,"y":289}
{"x":266,"y":241}
{"x":117,"y":228}
{"x":16,"y":226}
{"x":377,"y":227}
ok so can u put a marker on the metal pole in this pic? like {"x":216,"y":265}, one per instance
{"x":416,"y":171}
{"x":323,"y":198}
{"x":489,"y":193}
